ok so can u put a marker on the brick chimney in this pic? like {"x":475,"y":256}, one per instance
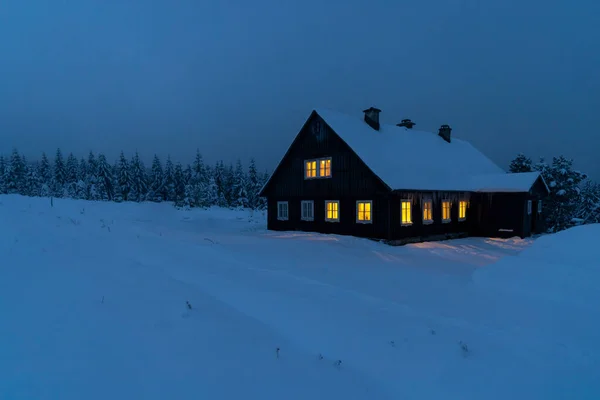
{"x":444,"y":132}
{"x":406,"y":123}
{"x":372,"y":117}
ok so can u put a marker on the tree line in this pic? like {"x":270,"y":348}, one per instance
{"x":193,"y":185}
{"x":574,"y":198}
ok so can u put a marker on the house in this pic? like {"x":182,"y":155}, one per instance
{"x":352,"y":175}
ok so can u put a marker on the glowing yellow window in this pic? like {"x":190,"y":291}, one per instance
{"x":363,"y":212}
{"x":427,"y":212}
{"x":311,"y":169}
{"x":406,"y":212}
{"x":332,"y":211}
{"x":325,"y":167}
{"x":446,"y":205}
{"x":462,"y":210}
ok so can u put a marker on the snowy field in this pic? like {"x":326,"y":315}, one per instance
{"x":93,"y":306}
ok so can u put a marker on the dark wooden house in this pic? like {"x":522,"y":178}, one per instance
{"x":352,"y":175}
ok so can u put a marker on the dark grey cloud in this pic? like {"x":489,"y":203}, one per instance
{"x":238,"y":78}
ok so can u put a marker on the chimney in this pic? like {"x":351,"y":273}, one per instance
{"x":445,"y":132}
{"x":406,"y":123}
{"x":372,"y":117}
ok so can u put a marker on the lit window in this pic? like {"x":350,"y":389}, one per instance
{"x":427,"y":212}
{"x":462,"y":210}
{"x":310,"y":168}
{"x":282,"y":210}
{"x":406,"y":212}
{"x":446,"y":211}
{"x":325,"y":168}
{"x":308,"y":208}
{"x":332,"y":211}
{"x":539,"y":206}
{"x":529,"y":207}
{"x":363,"y":212}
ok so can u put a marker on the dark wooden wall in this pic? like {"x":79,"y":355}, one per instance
{"x":351,"y":180}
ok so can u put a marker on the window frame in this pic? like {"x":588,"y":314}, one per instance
{"x":370,"y":203}
{"x":317,"y":162}
{"x":466,"y":203}
{"x":338,"y":211}
{"x":312,"y":210}
{"x":410,"y":210}
{"x":319,"y":167}
{"x":316,"y":168}
{"x":287,"y":211}
{"x":427,"y":221}
{"x":449,"y":219}
{"x":539,"y":207}
{"x":529,"y":207}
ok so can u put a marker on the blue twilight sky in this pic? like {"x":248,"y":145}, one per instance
{"x":238,"y":78}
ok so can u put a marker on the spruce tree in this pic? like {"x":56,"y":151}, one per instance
{"x":521,"y":163}
{"x":60,"y":175}
{"x":589,"y":207}
{"x":33,"y":180}
{"x":156,"y":181}
{"x":168,"y":192}
{"x":82,"y":191}
{"x":91,"y":181}
{"x":561,"y":204}
{"x":71,"y":168}
{"x":239,"y":187}
{"x":45,"y":173}
{"x":179,"y":186}
{"x":124,"y":180}
{"x":139,"y":185}
{"x":105,"y":179}
{"x":14,"y":174}
{"x":252,"y":185}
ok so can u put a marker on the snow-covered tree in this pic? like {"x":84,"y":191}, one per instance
{"x":71,"y":168}
{"x":123,"y":177}
{"x":105,"y":179}
{"x":562,"y":202}
{"x":33,"y":182}
{"x":168,"y":192}
{"x":139,"y":180}
{"x":239,"y":187}
{"x":253,"y":185}
{"x":588,"y":209}
{"x":45,"y":173}
{"x":157,"y":181}
{"x":521,"y":163}
{"x":91,"y":179}
{"x":60,"y":175}
{"x":179,"y":186}
{"x":14,"y":174}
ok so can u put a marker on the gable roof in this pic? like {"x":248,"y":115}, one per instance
{"x":416,"y":160}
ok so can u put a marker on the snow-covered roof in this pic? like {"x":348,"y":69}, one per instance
{"x":411,"y":159}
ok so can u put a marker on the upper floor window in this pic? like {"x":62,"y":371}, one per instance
{"x":528,"y":206}
{"x":462,"y":210}
{"x":325,"y":167}
{"x":310,"y":169}
{"x":539,"y":206}
{"x":363,"y":212}
{"x":282,"y":211}
{"x":427,"y":212}
{"x":318,"y":168}
{"x":406,"y":209}
{"x":308,"y":210}
{"x":332,"y":211}
{"x":446,"y":206}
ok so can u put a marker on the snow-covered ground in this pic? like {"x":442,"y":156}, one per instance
{"x":93,"y":306}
